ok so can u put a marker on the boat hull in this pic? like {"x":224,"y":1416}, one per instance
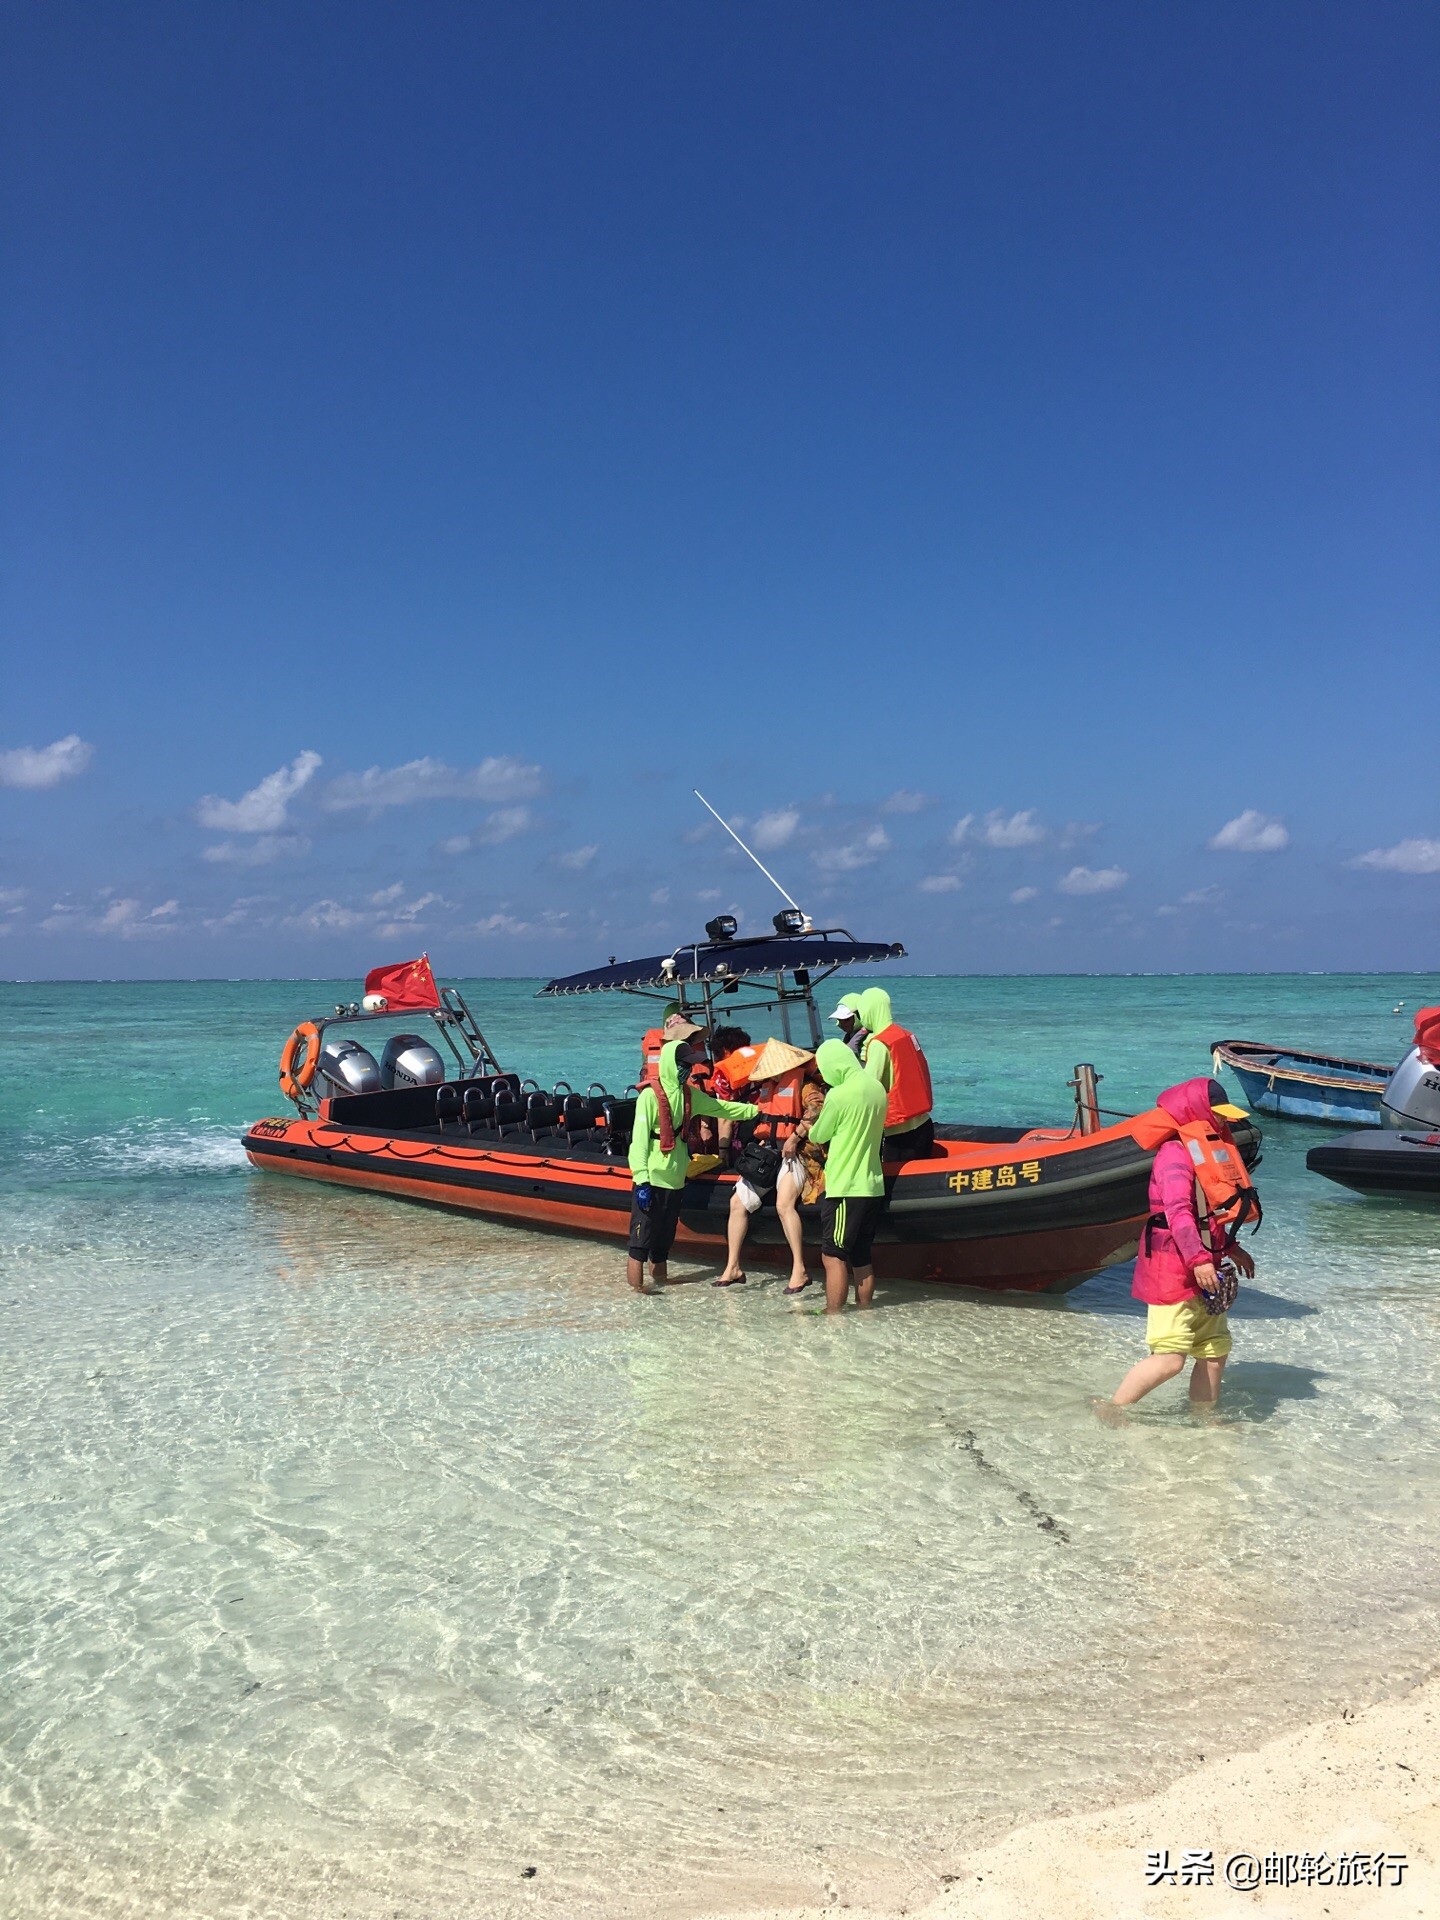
{"x":1015,"y":1215}
{"x":1395,"y":1166}
{"x":1305,"y":1086}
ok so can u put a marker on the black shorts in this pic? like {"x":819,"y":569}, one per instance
{"x":848,"y":1228}
{"x":917,"y":1144}
{"x":652,"y":1234}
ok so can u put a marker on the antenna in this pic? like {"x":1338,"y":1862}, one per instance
{"x":754,"y":856}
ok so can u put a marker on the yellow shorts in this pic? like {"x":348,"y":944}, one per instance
{"x":1188,"y":1328}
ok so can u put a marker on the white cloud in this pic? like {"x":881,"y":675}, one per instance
{"x":501,"y":923}
{"x":1251,"y":832}
{"x":504,"y":824}
{"x":773,"y":829}
{"x":327,"y":916}
{"x":123,"y":919}
{"x":999,"y":829}
{"x":1075,"y":833}
{"x":12,"y":899}
{"x":1093,"y":880}
{"x":1406,"y":856}
{"x":941,"y":883}
{"x":37,"y":767}
{"x":578,"y":858}
{"x":258,"y":853}
{"x":1197,"y":897}
{"x":660,"y":897}
{"x":413,"y":910}
{"x":904,"y":801}
{"x":858,"y":853}
{"x":501,"y":777}
{"x":242,"y":913}
{"x":1022,"y":894}
{"x":263,"y":808}
{"x":408,"y":918}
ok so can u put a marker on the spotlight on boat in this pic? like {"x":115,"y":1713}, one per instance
{"x":791,"y":920}
{"x":723,"y":927}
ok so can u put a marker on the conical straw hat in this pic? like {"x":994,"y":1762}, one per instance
{"x":777,"y":1057}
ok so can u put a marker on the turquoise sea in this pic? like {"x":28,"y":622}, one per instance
{"x":359,"y":1558}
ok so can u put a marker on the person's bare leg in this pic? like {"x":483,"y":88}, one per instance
{"x":1205,"y":1382}
{"x":736,"y":1227}
{"x":635,"y":1274}
{"x":1145,"y":1376}
{"x":659,"y":1272}
{"x":787,"y":1205}
{"x":864,"y":1285}
{"x":837,"y":1284}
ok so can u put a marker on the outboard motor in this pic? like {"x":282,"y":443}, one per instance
{"x":1412,"y":1093}
{"x":410,"y":1061}
{"x":348,"y":1067}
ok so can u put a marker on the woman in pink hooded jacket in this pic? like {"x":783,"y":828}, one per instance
{"x":1175,"y":1268}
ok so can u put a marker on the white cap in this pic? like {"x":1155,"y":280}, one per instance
{"x":845,"y":1012}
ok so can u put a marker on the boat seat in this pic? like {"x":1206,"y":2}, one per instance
{"x":449,"y":1107}
{"x":542,"y":1114}
{"x":580,"y":1114}
{"x":478,"y":1105}
{"x":583,"y":1117}
{"x":509,"y":1112}
{"x":619,"y":1118}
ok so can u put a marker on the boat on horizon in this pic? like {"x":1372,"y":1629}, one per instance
{"x":1030,"y":1209}
{"x":1292,"y":1085}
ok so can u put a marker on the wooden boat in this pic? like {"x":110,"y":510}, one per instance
{"x":1028,"y":1209}
{"x":1305,"y":1086}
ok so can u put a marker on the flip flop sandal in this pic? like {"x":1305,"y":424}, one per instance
{"x":740,"y":1280}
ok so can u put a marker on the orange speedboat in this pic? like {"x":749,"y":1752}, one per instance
{"x":1032,"y":1210}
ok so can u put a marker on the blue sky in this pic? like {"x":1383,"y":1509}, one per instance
{"x":992,"y":450}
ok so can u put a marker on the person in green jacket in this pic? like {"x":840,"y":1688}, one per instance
{"x":660,"y":1159}
{"x":909,"y":1122}
{"x":850,"y":1125}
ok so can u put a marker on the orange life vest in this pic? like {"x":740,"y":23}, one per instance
{"x":736,"y":1066}
{"x":650,"y":1050}
{"x":1225,"y":1195}
{"x":782,"y":1106}
{"x":911,"y":1097}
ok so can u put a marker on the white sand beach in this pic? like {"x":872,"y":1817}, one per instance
{"x":1366,"y":1783}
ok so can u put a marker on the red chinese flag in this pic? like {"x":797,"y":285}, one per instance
{"x":409,"y":986}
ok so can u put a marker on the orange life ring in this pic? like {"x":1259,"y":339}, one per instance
{"x":293,"y":1084}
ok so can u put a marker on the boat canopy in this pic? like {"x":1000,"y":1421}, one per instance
{"x":719,"y":962}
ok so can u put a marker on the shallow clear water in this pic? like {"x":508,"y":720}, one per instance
{"x":355,"y":1553}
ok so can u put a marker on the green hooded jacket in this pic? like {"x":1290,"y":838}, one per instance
{"x":647,"y":1162}
{"x":851,"y":1123}
{"x":875,"y":1017}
